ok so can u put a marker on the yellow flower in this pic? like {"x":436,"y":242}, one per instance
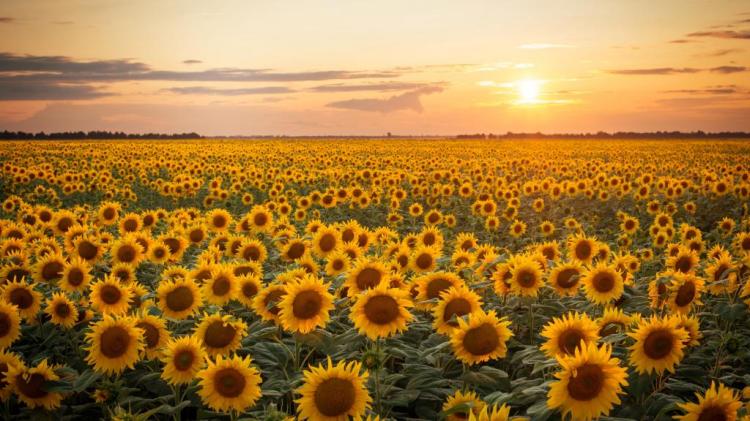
{"x":381,"y":311}
{"x":28,"y":383}
{"x":482,"y":338}
{"x":183,"y":358}
{"x":306,"y":305}
{"x":229,"y":384}
{"x":568,"y":333}
{"x":333,"y":392}
{"x":114,"y":344}
{"x":659,"y":345}
{"x":718,"y":403}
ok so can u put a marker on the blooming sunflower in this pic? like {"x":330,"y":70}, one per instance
{"x":582,"y":248}
{"x":326,"y":240}
{"x":718,"y":403}
{"x":126,"y":250}
{"x":219,"y":334}
{"x":49,"y":268}
{"x":114,"y":344}
{"x":336,"y":263}
{"x":221,"y":287}
{"x":183,"y":358}
{"x":481,"y":338}
{"x":588,"y":384}
{"x":468,"y":399}
{"x":179,"y":298}
{"x":684,"y":261}
{"x":613,"y":320}
{"x":76,"y":275}
{"x":229,"y":384}
{"x":218,"y":220}
{"x":568,"y":333}
{"x":7,"y":360}
{"x":424,"y":259}
{"x":155,"y":334}
{"x":28,"y":383}
{"x":365,"y":274}
{"x":526,"y":276}
{"x":658,"y":346}
{"x":260,"y":219}
{"x":247,"y":288}
{"x":109,"y":296}
{"x":22,"y":295}
{"x":10,"y":324}
{"x":430,"y":286}
{"x":266,"y":302}
{"x":62,"y":310}
{"x":454,"y":303}
{"x":88,"y":248}
{"x":333,"y":392}
{"x":494,"y":413}
{"x":306,"y":305}
{"x":602,"y":284}
{"x":565,"y":278}
{"x":722,"y":275}
{"x":381,"y":311}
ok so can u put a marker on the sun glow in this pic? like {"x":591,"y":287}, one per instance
{"x":528,"y":91}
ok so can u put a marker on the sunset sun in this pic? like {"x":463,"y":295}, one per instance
{"x":528,"y":91}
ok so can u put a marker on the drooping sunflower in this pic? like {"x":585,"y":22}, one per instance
{"x":306,"y":305}
{"x":62,"y":310}
{"x":155,"y":334}
{"x":588,"y":384}
{"x":220,"y":334}
{"x":685,"y":292}
{"x":7,"y":360}
{"x":114,"y":344}
{"x":109,"y":296}
{"x":582,"y":248}
{"x":722,"y":275}
{"x":22,"y":295}
{"x":658,"y":346}
{"x":718,"y":403}
{"x":179,"y":298}
{"x":333,"y":392}
{"x":183,"y":358}
{"x":481,"y":338}
{"x":221,"y":287}
{"x":565,"y":278}
{"x":28,"y":383}
{"x":229,"y":384}
{"x":266,"y":302}
{"x":468,"y":399}
{"x":526,"y":276}
{"x":454,"y":303}
{"x":602,"y":284}
{"x":568,"y":333}
{"x":424,"y":259}
{"x":381,"y":311}
{"x":364,"y":275}
{"x":10,"y":324}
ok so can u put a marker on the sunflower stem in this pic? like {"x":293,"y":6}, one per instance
{"x":377,"y":377}
{"x":177,"y":400}
{"x":531,"y":322}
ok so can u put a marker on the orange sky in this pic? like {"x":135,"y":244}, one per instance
{"x":355,"y":67}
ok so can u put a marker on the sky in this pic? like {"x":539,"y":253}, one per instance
{"x":371,"y":67}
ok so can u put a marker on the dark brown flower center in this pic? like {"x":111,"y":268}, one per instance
{"x":583,"y":250}
{"x":307,"y":304}
{"x":21,"y":298}
{"x":424,"y":261}
{"x":381,"y":309}
{"x":52,"y":270}
{"x":32,"y":387}
{"x":526,"y":278}
{"x":481,"y":340}
{"x":567,"y":278}
{"x":5,"y":324}
{"x":87,"y":250}
{"x":219,"y":334}
{"x":603,"y":282}
{"x":183,"y":359}
{"x":587,"y":382}
{"x":296,"y":250}
{"x":368,"y":278}
{"x":272,"y":299}
{"x":334,"y":397}
{"x":436,"y":286}
{"x":658,"y":344}
{"x":151,"y":334}
{"x":110,"y":294}
{"x":327,"y":242}
{"x":180,"y":298}
{"x":221,"y":286}
{"x":685,"y":294}
{"x":569,"y":340}
{"x":114,"y":342}
{"x":713,"y":413}
{"x":456,"y":307}
{"x":229,"y":382}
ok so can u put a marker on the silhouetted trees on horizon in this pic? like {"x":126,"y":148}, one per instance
{"x":700,"y":134}
{"x":93,"y":135}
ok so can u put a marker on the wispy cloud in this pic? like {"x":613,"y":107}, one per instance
{"x":722,"y":52}
{"x":406,"y":101}
{"x":676,"y":70}
{"x":729,"y":69}
{"x":728,"y":34}
{"x":192,"y":61}
{"x":683,"y":41}
{"x":375,"y":87}
{"x":207,"y":90}
{"x":7,"y":19}
{"x":710,"y":90}
{"x":62,"y":22}
{"x":543,"y":46}
{"x":44,"y":91}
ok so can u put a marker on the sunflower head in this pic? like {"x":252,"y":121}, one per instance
{"x":306,"y":305}
{"x":333,"y":392}
{"x":658,"y":346}
{"x":229,"y":384}
{"x":381,"y":311}
{"x":481,"y":338}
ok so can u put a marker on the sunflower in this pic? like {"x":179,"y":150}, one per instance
{"x":722,"y":275}
{"x":588,"y":384}
{"x":253,"y":250}
{"x":260,"y":219}
{"x":108,"y":213}
{"x":197,"y":233}
{"x":229,"y":384}
{"x":718,"y":403}
{"x":221,"y":287}
{"x":501,"y":279}
{"x":248,"y":287}
{"x":565,"y":278}
{"x":76,"y":275}
{"x":525,"y":276}
{"x":424,"y":259}
{"x":266,"y":302}
{"x":381,"y":311}
{"x":582,"y":248}
{"x":124,"y":273}
{"x":481,"y":338}
{"x":684,"y":292}
{"x":602,"y":284}
{"x":183,"y":358}
{"x":294,"y":249}
{"x":336,"y":263}
{"x":219,"y":334}
{"x":155,"y":334}
{"x":62,"y":310}
{"x":494,"y":413}
{"x":333,"y":392}
{"x":126,"y":250}
{"x":658,"y":346}
{"x":462,"y":259}
{"x":684,"y":261}
{"x":63,"y":221}
{"x":613,"y":320}
{"x":306,"y":305}
{"x":109,"y":296}
{"x":691,"y":324}
{"x":568,"y":333}
{"x":469,"y":400}
{"x":88,"y":248}
{"x":24,"y":297}
{"x":454,"y":303}
{"x":7,"y":361}
{"x":130,"y":223}
{"x":10,"y":324}
{"x":179,"y":298}
{"x":114,"y":344}
{"x":218,"y":220}
{"x":430,"y":286}
{"x":365,"y":274}
{"x":29,"y":385}
{"x":176,"y":245}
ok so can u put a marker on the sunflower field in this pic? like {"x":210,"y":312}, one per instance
{"x":406,"y":279}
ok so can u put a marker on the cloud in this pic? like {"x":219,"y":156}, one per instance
{"x":710,"y":90}
{"x":206,"y":90}
{"x":36,"y":91}
{"x":405,"y":101}
{"x":543,"y":46}
{"x":62,"y":22}
{"x":7,"y":19}
{"x":723,"y":52}
{"x":375,"y":87}
{"x":729,"y":69}
{"x":722,"y":34}
{"x":192,"y":61}
{"x":655,"y":71}
{"x":682,"y":41}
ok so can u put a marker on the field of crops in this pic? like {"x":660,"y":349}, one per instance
{"x":375,"y":279}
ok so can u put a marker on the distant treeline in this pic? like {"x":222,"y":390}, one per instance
{"x":605,"y":135}
{"x":93,"y":135}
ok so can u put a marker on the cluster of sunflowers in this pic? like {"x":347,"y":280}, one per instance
{"x":419,"y":279}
